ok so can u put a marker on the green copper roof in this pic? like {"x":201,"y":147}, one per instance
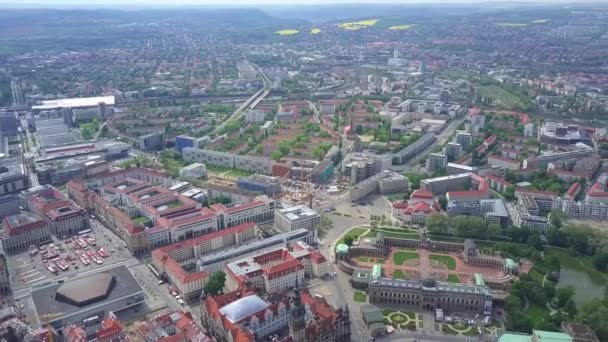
{"x":511,"y":264}
{"x":342,"y":248}
{"x":377,"y":271}
{"x":550,"y":336}
{"x":479,"y":279}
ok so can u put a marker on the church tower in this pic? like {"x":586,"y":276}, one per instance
{"x":297,"y":319}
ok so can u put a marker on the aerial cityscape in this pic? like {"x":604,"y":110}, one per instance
{"x":304,"y":172}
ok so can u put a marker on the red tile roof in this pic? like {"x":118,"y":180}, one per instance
{"x":283,"y":268}
{"x":422,"y":193}
{"x":573,"y":189}
{"x":597,"y":190}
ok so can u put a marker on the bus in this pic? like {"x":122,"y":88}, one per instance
{"x":85,"y":232}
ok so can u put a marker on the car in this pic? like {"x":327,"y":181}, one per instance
{"x":181,"y":301}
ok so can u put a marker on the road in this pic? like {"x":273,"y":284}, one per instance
{"x":442,"y":139}
{"x":250,"y":103}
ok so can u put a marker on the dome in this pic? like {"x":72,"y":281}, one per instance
{"x":243,"y":308}
{"x":342,"y":248}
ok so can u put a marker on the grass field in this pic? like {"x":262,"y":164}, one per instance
{"x":355,"y":25}
{"x":398,"y":274}
{"x":355,"y":232}
{"x":452,"y":278}
{"x":401,"y":257}
{"x":360,"y":297}
{"x":444,"y":259}
{"x":315,"y":31}
{"x":401,"y":27}
{"x":287,"y":32}
{"x":502,"y":98}
{"x":404,"y":235}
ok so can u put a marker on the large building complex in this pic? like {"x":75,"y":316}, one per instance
{"x":94,"y":295}
{"x":385,"y":182}
{"x":297,"y":217}
{"x":430,"y":295}
{"x":255,"y":164}
{"x":260,"y":183}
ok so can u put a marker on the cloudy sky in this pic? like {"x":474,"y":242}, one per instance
{"x":85,"y":3}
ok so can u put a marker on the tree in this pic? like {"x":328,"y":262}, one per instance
{"x":535,"y":241}
{"x":276,"y":155}
{"x":437,"y":223}
{"x":563,"y":295}
{"x":570,"y":308}
{"x":494,"y":230}
{"x":348,"y":241}
{"x":215,"y":284}
{"x":443,"y":202}
{"x":595,"y":314}
{"x":556,"y":218}
{"x":600,"y":261}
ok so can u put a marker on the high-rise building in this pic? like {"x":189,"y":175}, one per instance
{"x":453,"y":151}
{"x":465,"y":139}
{"x":436,"y":161}
{"x":152,"y":141}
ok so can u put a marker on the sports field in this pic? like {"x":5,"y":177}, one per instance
{"x":288,"y":32}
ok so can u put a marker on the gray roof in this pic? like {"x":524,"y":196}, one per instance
{"x":45,"y":302}
{"x":436,"y":286}
{"x":86,"y":290}
{"x":243,"y":308}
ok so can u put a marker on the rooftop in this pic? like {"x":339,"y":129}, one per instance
{"x":74,"y":102}
{"x":46,"y":303}
{"x":243,"y":308}
{"x":297,"y":212}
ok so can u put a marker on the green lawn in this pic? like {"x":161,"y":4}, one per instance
{"x":355,"y":232}
{"x":444,"y":259}
{"x":502,"y":98}
{"x":363,"y":259}
{"x":447,"y":330}
{"x":452,"y":278}
{"x":400,"y":258}
{"x":404,"y":235}
{"x":140,"y":220}
{"x":398,"y":274}
{"x":360,"y":297}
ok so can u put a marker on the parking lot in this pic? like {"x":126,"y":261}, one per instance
{"x":68,"y":256}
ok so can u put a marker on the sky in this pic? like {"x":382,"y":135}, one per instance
{"x":87,"y":3}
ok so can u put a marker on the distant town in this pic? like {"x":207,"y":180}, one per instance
{"x":331,"y":173}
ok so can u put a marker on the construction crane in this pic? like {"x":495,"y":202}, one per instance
{"x":46,"y":318}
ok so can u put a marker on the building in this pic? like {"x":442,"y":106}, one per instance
{"x":5,"y":279}
{"x":266,"y":185}
{"x":151,"y":141}
{"x":429,"y":295}
{"x":13,"y":174}
{"x":244,"y":316}
{"x":254,"y":164}
{"x":102,"y":329}
{"x":183,"y":141}
{"x":415,"y":210}
{"x":453,"y":151}
{"x":173,"y":260}
{"x":75,"y":300}
{"x":24,"y":230}
{"x":261,"y":209}
{"x":385,"y":182}
{"x":536,"y":336}
{"x":255,"y":116}
{"x":270,"y":272}
{"x":579,"y":332}
{"x":541,"y":162}
{"x":414,"y":149}
{"x":441,"y":185}
{"x":64,"y":218}
{"x":559,"y":134}
{"x":9,"y":126}
{"x":503,"y":163}
{"x":171,"y":326}
{"x":193,"y":171}
{"x":359,"y":166}
{"x":465,"y":139}
{"x":493,"y":211}
{"x":436,"y":162}
{"x":297,"y":217}
{"x":9,"y":205}
{"x":216,"y":261}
